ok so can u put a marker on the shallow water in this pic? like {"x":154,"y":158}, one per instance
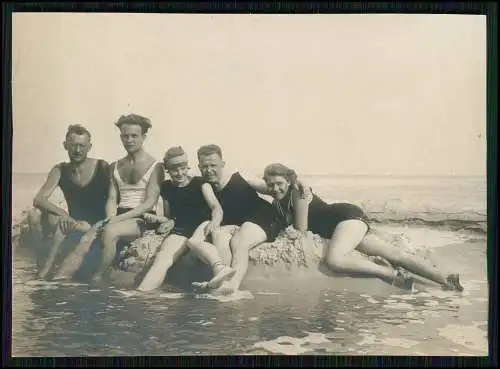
{"x":71,"y":319}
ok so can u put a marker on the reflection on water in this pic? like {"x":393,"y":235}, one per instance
{"x":71,"y":319}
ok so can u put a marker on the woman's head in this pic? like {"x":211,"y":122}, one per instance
{"x":279,"y":178}
{"x":176,"y":164}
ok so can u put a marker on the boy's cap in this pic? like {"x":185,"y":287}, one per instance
{"x":174,"y":156}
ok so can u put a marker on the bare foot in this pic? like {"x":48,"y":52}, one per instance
{"x":61,"y":277}
{"x":222,"y":276}
{"x":453,"y":283}
{"x":226,"y":288}
{"x":42,"y":274}
{"x":200,"y":285}
{"x":403,"y":280}
{"x":96,"y":279}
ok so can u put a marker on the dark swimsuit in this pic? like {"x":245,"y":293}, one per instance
{"x":322,"y":218}
{"x":87,"y":202}
{"x":241,"y":203}
{"x":187,"y":205}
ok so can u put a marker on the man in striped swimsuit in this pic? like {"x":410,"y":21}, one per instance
{"x":133,"y":191}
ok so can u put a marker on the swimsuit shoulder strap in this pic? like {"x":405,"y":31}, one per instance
{"x":147,"y":175}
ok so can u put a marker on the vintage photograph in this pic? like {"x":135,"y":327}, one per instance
{"x":249,"y":184}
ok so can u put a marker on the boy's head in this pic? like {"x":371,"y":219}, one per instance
{"x":176,"y":163}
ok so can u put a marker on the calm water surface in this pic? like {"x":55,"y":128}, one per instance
{"x":71,"y":320}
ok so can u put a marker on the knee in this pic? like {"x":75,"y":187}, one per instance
{"x":109,"y":233}
{"x":237,"y":245}
{"x":193,"y":242}
{"x":336,"y":260}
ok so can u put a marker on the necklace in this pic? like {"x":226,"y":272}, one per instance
{"x":289,"y":206}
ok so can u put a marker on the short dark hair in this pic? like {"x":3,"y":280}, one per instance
{"x":143,"y":122}
{"x":209,"y":150}
{"x":77,"y":129}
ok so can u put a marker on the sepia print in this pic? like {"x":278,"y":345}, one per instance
{"x":249,"y":184}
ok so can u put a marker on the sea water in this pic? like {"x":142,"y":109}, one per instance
{"x":72,"y":319}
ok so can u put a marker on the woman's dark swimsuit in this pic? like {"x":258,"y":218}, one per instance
{"x":187,"y":205}
{"x":241,"y":203}
{"x":87,"y":202}
{"x":322,"y":218}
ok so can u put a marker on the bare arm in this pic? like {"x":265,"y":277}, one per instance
{"x":301,"y":210}
{"x":256,"y":183}
{"x":213,"y":203}
{"x":152,"y":195}
{"x":111,"y":203}
{"x":166,"y":209}
{"x":41,"y":199}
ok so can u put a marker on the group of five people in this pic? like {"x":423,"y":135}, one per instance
{"x":219,"y":214}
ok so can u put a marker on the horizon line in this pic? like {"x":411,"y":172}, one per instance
{"x":347,"y":174}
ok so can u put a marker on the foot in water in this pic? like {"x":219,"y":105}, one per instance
{"x":453,"y":283}
{"x":403,"y":280}
{"x":217,"y":280}
{"x":61,"y":278}
{"x":96,"y":279}
{"x":226,"y":288}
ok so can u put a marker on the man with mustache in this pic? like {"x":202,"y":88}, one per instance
{"x":84,"y":184}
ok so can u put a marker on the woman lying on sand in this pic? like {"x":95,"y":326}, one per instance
{"x":347,"y":228}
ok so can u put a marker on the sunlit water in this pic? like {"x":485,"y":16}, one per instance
{"x":70,"y":319}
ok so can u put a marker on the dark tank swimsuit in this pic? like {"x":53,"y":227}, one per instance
{"x":241,"y":203}
{"x":88,"y":202}
{"x":322,"y":218}
{"x":187,"y":205}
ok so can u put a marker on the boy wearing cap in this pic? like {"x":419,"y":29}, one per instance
{"x":196,"y":213}
{"x":134,"y":189}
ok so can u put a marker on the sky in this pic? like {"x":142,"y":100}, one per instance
{"x":323,"y":94}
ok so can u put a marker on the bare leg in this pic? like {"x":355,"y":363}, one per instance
{"x":35,"y":221}
{"x":128,"y":229}
{"x":374,"y":245}
{"x":75,"y":259}
{"x":57,"y":239}
{"x":221,"y":242}
{"x":346,"y":237}
{"x":172,"y":248}
{"x":209,"y":254}
{"x":40,"y":224}
{"x":246,"y":238}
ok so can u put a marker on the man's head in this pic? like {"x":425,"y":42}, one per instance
{"x":133,"y":129}
{"x":210,"y":162}
{"x":77,"y":143}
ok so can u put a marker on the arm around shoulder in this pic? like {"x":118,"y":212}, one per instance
{"x":301,"y":207}
{"x":256,"y":183}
